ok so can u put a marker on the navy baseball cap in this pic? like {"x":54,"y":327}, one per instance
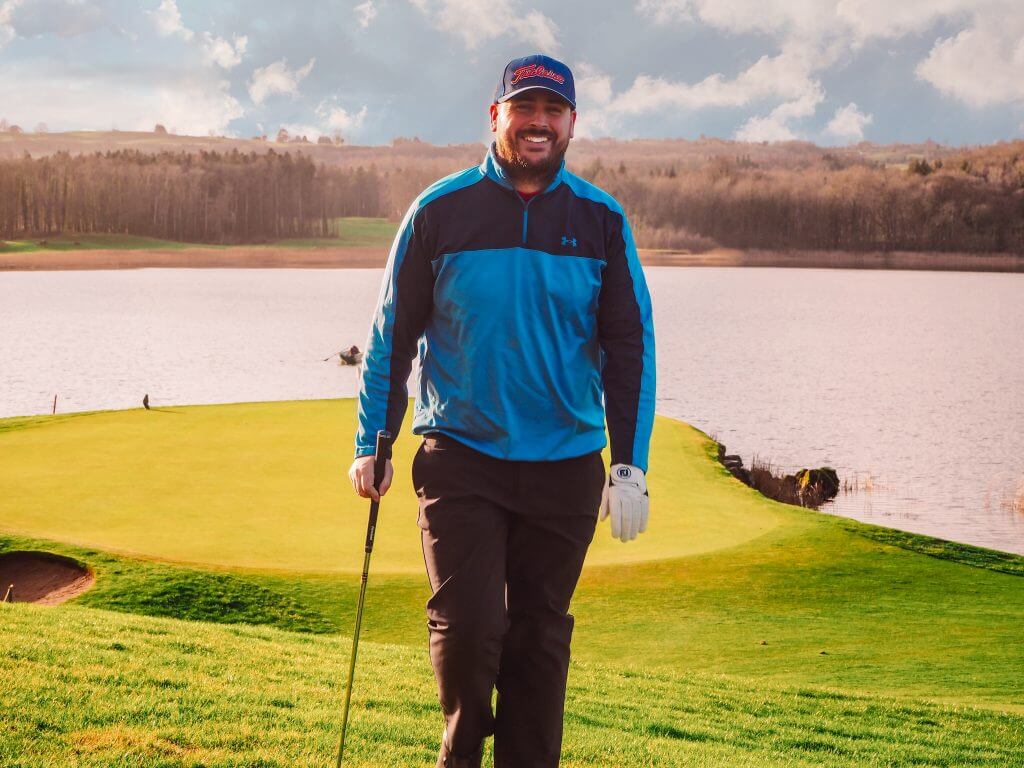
{"x":536,"y":71}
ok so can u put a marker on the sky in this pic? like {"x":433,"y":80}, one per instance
{"x":834,"y":72}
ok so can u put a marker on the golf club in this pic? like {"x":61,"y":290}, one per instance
{"x":381,"y":455}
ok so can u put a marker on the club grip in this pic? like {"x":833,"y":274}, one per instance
{"x":380,"y":457}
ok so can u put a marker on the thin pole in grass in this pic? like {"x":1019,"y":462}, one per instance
{"x":54,"y":405}
{"x":381,"y":455}
{"x":9,"y":597}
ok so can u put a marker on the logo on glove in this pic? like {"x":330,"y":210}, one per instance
{"x":624,"y":472}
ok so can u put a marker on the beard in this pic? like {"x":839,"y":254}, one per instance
{"x":524,"y":170}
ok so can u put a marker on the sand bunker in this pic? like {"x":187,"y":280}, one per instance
{"x":42,"y":577}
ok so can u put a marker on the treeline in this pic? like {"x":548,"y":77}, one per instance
{"x":973,"y":202}
{"x":211,"y":197}
{"x":679,"y":195}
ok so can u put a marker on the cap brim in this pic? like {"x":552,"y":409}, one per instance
{"x":524,"y":89}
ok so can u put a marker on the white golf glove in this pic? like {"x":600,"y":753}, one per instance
{"x":625,"y":499}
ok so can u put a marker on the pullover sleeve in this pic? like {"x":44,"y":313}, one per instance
{"x":403,"y":306}
{"x":626,"y":335}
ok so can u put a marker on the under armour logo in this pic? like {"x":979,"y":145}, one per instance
{"x":566,"y":240}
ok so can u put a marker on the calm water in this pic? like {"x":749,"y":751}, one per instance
{"x":909,"y":383}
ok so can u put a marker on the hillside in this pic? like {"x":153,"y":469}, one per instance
{"x":95,"y":689}
{"x":653,"y":152}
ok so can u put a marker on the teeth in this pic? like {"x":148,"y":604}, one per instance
{"x":536,"y":139}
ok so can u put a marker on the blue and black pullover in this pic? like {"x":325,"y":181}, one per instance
{"x":531,"y":322}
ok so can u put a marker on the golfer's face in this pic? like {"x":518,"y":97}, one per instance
{"x":537,"y":124}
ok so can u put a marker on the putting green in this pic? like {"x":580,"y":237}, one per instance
{"x":265,"y":486}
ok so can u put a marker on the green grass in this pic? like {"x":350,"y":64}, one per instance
{"x":85,"y":687}
{"x":265,"y":486}
{"x":244,"y":513}
{"x":352,"y":232}
{"x":89,"y":242}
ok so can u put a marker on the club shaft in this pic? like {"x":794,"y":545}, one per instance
{"x":381,"y":456}
{"x":355,"y":650}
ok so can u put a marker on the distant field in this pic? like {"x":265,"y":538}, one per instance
{"x":353,"y":232}
{"x":89,"y":242}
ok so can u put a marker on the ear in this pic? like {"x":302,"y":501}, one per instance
{"x":494,"y":117}
{"x":572,"y":123}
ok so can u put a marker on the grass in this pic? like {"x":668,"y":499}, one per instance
{"x":353,"y":232}
{"x":92,"y":688}
{"x":89,"y":242}
{"x":725,"y":581}
{"x":174,"y":483}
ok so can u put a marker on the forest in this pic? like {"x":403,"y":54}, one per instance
{"x":204,"y":197}
{"x":693,"y":195}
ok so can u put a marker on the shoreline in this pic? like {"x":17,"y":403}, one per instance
{"x":375,"y":257}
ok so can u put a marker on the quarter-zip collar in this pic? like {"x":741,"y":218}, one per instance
{"x":494,"y":170}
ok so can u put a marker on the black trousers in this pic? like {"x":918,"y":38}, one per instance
{"x":503,"y":544}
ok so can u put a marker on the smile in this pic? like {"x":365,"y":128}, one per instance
{"x":536,"y":139}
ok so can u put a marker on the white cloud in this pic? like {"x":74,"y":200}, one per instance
{"x":196,"y":108}
{"x":665,"y":11}
{"x":775,"y":126}
{"x":888,"y":19}
{"x":848,"y":123}
{"x":192,"y":101}
{"x":339,"y":119}
{"x":983,"y":65}
{"x":479,"y":21}
{"x":786,"y":77}
{"x":168,"y":21}
{"x":217,"y":50}
{"x":64,"y":18}
{"x":277,"y":78}
{"x":365,"y":13}
{"x":784,"y":19}
{"x":593,"y":87}
{"x":810,"y":38}
{"x":593,"y":94}
{"x":334,"y":119}
{"x":6,"y":28}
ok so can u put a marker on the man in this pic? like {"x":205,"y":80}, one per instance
{"x":517,"y":285}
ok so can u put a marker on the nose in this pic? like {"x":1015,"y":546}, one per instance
{"x":539,"y":120}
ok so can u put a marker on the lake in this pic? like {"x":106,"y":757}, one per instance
{"x":909,"y":383}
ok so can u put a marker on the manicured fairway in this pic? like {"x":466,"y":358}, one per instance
{"x":265,"y":486}
{"x":243,"y":513}
{"x":95,"y":689}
